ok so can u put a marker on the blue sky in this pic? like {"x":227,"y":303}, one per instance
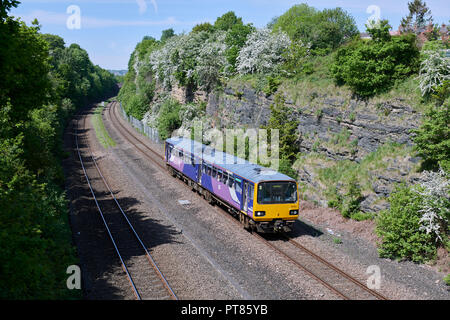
{"x":110,"y":29}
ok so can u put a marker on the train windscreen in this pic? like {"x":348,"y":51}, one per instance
{"x":277,"y":192}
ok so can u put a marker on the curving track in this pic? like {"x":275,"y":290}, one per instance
{"x":146,"y":280}
{"x":334,"y":279}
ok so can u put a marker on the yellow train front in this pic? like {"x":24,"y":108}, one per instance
{"x":263,"y":199}
{"x":275,"y":206}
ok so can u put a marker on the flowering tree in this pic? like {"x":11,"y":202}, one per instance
{"x":434,"y":190}
{"x":263,"y":52}
{"x":435,"y":69}
{"x":211,"y":61}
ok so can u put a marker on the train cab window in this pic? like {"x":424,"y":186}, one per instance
{"x":277,"y":192}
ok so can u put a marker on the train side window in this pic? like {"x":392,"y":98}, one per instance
{"x":204,"y":168}
{"x":209,"y":171}
{"x":231,"y":182}
{"x":219,"y":175}
{"x":250,"y":192}
{"x":214,"y":173}
{"x":225,"y":178}
{"x":192,"y":160}
{"x":238,"y":187}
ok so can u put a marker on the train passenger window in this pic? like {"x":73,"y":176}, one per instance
{"x":214,"y":172}
{"x":225,"y":178}
{"x":219,"y":175}
{"x":180,"y":153}
{"x":231,"y":182}
{"x":204,"y":170}
{"x":209,"y":170}
{"x":250,"y":192}
{"x":238,"y":187}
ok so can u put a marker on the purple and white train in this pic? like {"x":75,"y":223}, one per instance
{"x":264,"y":200}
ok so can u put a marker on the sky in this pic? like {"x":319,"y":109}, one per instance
{"x":110,"y":29}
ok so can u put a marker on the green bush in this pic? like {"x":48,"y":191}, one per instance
{"x":349,"y":203}
{"x":169,"y":118}
{"x":400,"y":228}
{"x":432,"y":140}
{"x":374,"y":66}
{"x":324,"y":30}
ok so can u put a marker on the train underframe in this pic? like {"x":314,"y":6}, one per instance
{"x":274,"y":226}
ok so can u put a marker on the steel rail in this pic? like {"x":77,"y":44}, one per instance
{"x":135,"y":291}
{"x":341,"y":272}
{"x":125,"y":216}
{"x":287,"y":256}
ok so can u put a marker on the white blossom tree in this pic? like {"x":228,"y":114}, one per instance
{"x":434,"y":190}
{"x":263,"y":52}
{"x":435,"y":69}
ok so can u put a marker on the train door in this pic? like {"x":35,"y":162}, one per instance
{"x":245,"y":196}
{"x":199,"y":166}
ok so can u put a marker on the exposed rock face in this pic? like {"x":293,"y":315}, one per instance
{"x":339,"y":128}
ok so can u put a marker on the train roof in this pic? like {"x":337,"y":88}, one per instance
{"x":231,"y":163}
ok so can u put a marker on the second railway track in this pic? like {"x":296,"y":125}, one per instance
{"x":146,"y":279}
{"x":342,"y":284}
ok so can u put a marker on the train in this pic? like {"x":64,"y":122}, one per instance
{"x":264,"y":200}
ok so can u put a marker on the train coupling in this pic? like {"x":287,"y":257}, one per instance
{"x":276,"y":226}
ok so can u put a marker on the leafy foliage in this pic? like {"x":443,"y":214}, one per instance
{"x":227,"y":21}
{"x":167,"y":34}
{"x":169,"y":118}
{"x":283,"y":120}
{"x":207,"y":27}
{"x":235,"y":40}
{"x":418,"y":18}
{"x":399,"y":228}
{"x":374,"y":66}
{"x":324,"y":30}
{"x":417,"y":221}
{"x":43,"y":82}
{"x":432,"y":138}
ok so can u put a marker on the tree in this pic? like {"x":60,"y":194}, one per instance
{"x":5,"y":6}
{"x":207,"y":27}
{"x":372,"y":67}
{"x":227,"y":21}
{"x":235,"y":41}
{"x":167,"y":34}
{"x":24,"y":68}
{"x":325,"y":30}
{"x":432,"y":141}
{"x":263,"y":52}
{"x":418,"y":19}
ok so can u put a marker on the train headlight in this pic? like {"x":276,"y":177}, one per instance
{"x":293,"y":212}
{"x":260,"y":213}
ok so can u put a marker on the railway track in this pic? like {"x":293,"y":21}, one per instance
{"x":144,"y":276}
{"x":334,"y":279}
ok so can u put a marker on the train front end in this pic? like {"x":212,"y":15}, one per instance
{"x":276,"y":206}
